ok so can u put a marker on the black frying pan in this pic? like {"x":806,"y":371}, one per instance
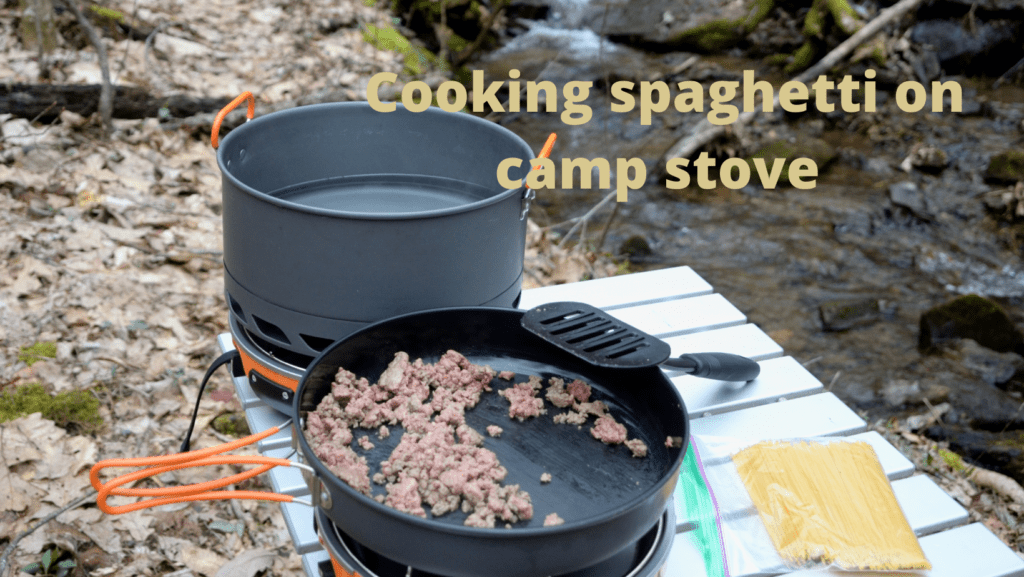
{"x":607,"y":498}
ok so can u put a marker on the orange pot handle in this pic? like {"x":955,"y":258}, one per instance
{"x":546,"y":150}
{"x":214,"y":138}
{"x":196,"y":492}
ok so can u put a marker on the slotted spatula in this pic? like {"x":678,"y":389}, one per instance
{"x":596,"y":337}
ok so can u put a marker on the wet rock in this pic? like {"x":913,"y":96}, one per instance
{"x":635,"y":247}
{"x":970,"y":317}
{"x":990,"y":366}
{"x":899,"y":392}
{"x":909,"y":196}
{"x":845,"y":315}
{"x":798,"y":146}
{"x":959,"y":50}
{"x":1000,"y":452}
{"x":926,"y":159}
{"x":703,"y":24}
{"x":1006,"y":167}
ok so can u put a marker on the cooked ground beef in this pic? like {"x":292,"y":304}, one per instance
{"x":523,"y":402}
{"x":637,"y":447}
{"x":556,"y":393}
{"x":552,"y":520}
{"x":608,"y":430}
{"x":570,"y":418}
{"x":439,"y":461}
{"x":579,"y":390}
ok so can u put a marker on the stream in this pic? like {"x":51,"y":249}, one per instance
{"x":889,"y":242}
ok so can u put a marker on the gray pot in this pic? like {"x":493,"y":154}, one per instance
{"x":336,"y":216}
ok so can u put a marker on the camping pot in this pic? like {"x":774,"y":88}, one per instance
{"x":336,"y":216}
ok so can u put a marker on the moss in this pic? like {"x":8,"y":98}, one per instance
{"x":953,"y":460}
{"x":107,"y":14}
{"x":802,"y":58}
{"x":814,"y":22}
{"x":72,"y":410}
{"x":231,"y":424}
{"x":417,"y":59}
{"x":37,"y":352}
{"x":758,"y":12}
{"x":844,"y":16}
{"x":712,"y":36}
{"x":1007,"y":166}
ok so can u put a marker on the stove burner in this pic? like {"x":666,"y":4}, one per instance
{"x":636,"y":560}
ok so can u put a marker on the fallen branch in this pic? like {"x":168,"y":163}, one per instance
{"x":106,"y":105}
{"x":705,"y":132}
{"x":999,"y":483}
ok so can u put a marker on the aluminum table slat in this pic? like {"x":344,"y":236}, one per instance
{"x":818,"y":415}
{"x":748,"y":340}
{"x":621,"y":291}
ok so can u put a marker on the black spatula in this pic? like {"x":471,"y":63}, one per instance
{"x":597,"y":337}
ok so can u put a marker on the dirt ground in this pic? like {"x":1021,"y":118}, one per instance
{"x":111,"y":251}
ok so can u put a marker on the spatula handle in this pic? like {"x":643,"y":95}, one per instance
{"x":720,"y":366}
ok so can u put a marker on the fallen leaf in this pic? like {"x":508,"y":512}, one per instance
{"x":248,"y":564}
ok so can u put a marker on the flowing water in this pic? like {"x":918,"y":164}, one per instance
{"x":779,"y":255}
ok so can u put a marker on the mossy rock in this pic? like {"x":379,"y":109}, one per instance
{"x":76,"y":411}
{"x":232,"y":425}
{"x":711,"y":37}
{"x":821,"y":152}
{"x":970,"y":317}
{"x":1006,"y":167}
{"x":636,"y":247}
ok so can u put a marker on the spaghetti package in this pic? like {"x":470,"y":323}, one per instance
{"x":779,"y":506}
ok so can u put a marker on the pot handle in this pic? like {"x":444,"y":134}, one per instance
{"x":195,"y":492}
{"x":529,"y":195}
{"x":249,"y":113}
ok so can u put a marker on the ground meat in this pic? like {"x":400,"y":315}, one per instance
{"x":545,"y":477}
{"x":596,"y":408}
{"x":383,"y":433}
{"x":570,"y":418}
{"x":608,"y":431}
{"x":523,"y":403}
{"x":552,"y":520}
{"x":579,"y":390}
{"x":556,"y":393}
{"x":507,"y":375}
{"x":637,"y":447}
{"x":494,"y":430}
{"x":365,"y":443}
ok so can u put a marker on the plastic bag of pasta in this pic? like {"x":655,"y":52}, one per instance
{"x":778,"y":506}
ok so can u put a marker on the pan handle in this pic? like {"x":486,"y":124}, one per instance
{"x":249,"y":113}
{"x":195,"y":492}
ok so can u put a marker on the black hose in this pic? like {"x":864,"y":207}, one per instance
{"x":225,"y":358}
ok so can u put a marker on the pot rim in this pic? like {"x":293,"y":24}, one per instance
{"x":256,"y":123}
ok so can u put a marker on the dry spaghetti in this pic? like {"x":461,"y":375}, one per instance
{"x":829,"y":503}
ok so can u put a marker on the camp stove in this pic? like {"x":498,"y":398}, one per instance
{"x":273,"y":372}
{"x":643,"y":558}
